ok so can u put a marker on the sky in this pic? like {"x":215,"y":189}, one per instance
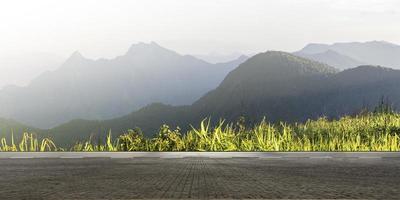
{"x":48,"y":31}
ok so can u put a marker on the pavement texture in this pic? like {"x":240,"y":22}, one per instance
{"x":200,"y":178}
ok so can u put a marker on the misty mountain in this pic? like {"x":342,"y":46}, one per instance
{"x":215,"y":57}
{"x":101,"y":89}
{"x":22,"y":68}
{"x":353,"y":54}
{"x":332,"y":58}
{"x":277,"y":85}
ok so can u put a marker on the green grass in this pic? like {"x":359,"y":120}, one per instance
{"x":28,"y":142}
{"x":368,"y":132}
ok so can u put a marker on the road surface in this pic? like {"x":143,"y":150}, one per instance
{"x":288,"y":176}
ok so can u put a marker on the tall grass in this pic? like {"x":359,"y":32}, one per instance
{"x":28,"y":142}
{"x":369,"y":132}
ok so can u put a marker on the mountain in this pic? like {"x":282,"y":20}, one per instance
{"x":284,"y":87}
{"x":101,"y":89}
{"x":260,"y":87}
{"x":215,"y":57}
{"x":362,"y":87}
{"x":332,"y":58}
{"x":277,"y":85}
{"x":270,"y":75}
{"x":370,"y":53}
{"x":23,"y":67}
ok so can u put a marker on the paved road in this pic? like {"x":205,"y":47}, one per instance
{"x":200,"y":178}
{"x":200,"y":154}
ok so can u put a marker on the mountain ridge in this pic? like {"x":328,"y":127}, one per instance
{"x":368,"y":53}
{"x":332,"y":58}
{"x":313,"y":90}
{"x":108,"y":88}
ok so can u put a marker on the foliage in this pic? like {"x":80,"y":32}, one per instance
{"x":29,"y":142}
{"x":368,"y":132}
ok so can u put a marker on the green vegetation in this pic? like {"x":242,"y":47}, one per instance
{"x":28,"y":142}
{"x":368,"y":132}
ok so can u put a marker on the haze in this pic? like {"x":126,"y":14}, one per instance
{"x":52,"y":30}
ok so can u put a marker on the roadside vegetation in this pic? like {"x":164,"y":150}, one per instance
{"x":28,"y":142}
{"x":377,"y":131}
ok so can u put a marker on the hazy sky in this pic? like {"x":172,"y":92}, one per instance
{"x":106,"y":28}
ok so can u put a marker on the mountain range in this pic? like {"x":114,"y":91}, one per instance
{"x":32,"y":63}
{"x":82,"y":88}
{"x":276,"y":85}
{"x":353,"y":54}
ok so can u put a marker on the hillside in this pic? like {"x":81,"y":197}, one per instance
{"x":102,"y":89}
{"x":277,"y":85}
{"x":148,"y":119}
{"x":8,"y":127}
{"x":300,"y":97}
{"x":272,"y":84}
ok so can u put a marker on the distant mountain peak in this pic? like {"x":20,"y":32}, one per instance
{"x":313,"y":48}
{"x":375,"y":52}
{"x":75,"y":58}
{"x":142,"y":47}
{"x":330,"y":52}
{"x":332,"y":58}
{"x":154,"y":44}
{"x":380,"y":42}
{"x":76,"y":55}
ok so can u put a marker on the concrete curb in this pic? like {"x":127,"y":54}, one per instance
{"x":267,"y":155}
